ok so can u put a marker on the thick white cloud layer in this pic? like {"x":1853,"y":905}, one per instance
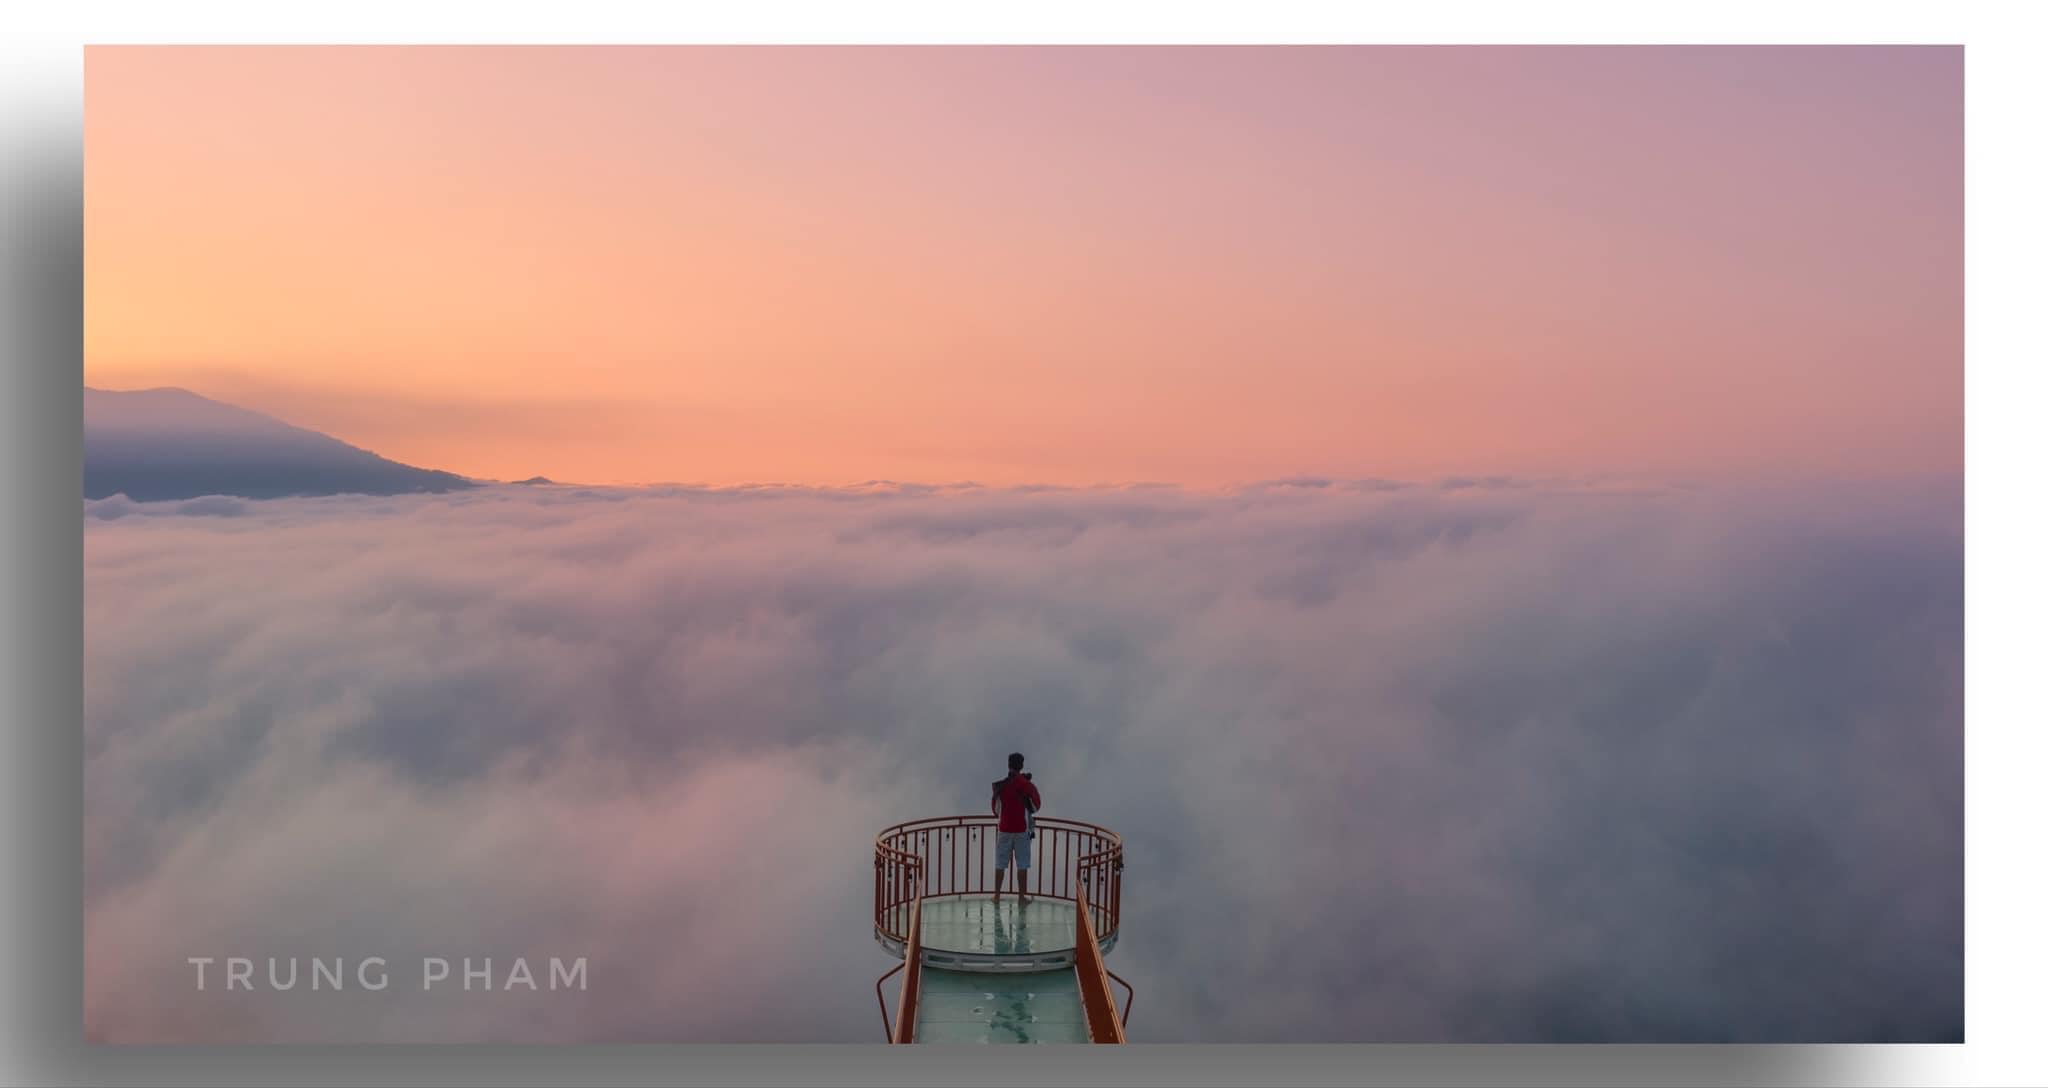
{"x":1474,"y":763}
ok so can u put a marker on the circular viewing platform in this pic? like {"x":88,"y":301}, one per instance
{"x":940,"y":871}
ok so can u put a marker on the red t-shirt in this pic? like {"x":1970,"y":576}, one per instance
{"x":1009,"y":803}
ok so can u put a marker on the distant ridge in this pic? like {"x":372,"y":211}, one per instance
{"x":156,"y":444}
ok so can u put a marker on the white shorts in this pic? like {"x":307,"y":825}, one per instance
{"x":1013,"y":845}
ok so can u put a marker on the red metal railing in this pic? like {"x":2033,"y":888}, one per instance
{"x":888,"y":1031}
{"x":1098,"y":1008}
{"x":913,"y":976}
{"x":899,"y":880}
{"x":951,"y":855}
{"x":897,"y":870}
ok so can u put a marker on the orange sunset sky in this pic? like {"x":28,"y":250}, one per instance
{"x":1010,"y":265}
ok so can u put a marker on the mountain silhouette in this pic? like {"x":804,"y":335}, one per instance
{"x":154,"y":444}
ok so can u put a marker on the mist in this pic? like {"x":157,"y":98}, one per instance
{"x":1468,"y":761}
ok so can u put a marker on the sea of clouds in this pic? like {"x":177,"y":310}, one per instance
{"x":1478,"y":760}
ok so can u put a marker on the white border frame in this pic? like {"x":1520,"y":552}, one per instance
{"x":39,"y":668}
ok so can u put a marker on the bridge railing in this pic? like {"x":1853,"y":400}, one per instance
{"x":1098,"y":1007}
{"x":897,"y":879}
{"x":954,"y":855}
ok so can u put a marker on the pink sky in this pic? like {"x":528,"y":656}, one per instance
{"x":1044,"y":265}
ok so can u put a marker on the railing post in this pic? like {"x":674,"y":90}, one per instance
{"x":888,"y":1029}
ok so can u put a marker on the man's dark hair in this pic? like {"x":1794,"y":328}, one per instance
{"x":1016,"y":761}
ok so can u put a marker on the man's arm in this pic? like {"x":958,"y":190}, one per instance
{"x":1031,"y":790}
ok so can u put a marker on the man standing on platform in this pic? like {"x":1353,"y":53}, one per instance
{"x":1013,"y":799}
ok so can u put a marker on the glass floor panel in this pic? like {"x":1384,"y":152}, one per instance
{"x":971,"y":923}
{"x":975,"y":1007}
